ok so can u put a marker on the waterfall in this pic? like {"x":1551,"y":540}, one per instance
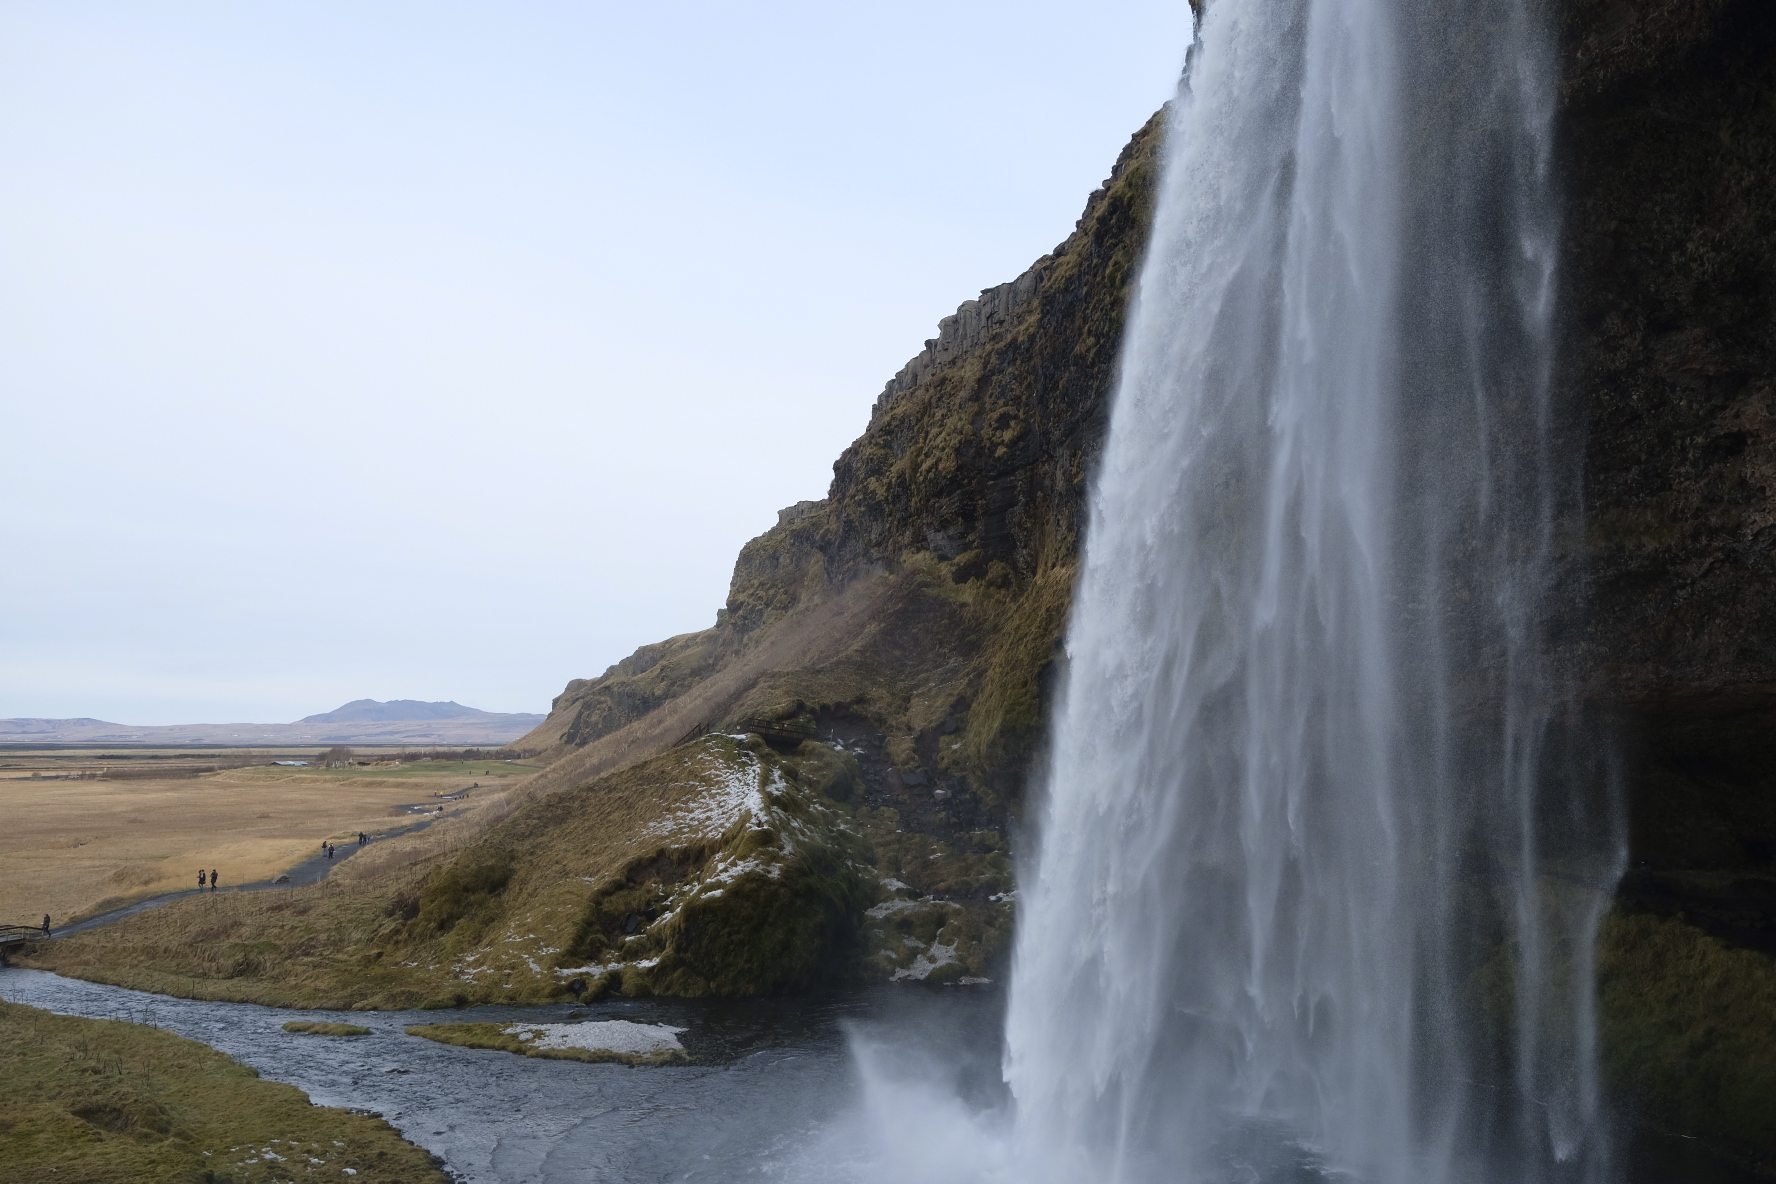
{"x":1324,"y":843}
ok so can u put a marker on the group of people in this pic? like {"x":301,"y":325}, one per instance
{"x":327,"y":848}
{"x":214,"y":878}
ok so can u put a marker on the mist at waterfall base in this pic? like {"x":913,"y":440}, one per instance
{"x":1323,"y":842}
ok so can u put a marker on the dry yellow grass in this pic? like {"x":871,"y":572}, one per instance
{"x":72,"y":847}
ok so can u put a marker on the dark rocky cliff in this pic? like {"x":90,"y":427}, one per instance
{"x":1670,"y":136}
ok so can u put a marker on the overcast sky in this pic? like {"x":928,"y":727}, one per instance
{"x":452,"y":350}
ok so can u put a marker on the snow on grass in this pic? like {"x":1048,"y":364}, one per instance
{"x":729,"y":788}
{"x":924,"y":964}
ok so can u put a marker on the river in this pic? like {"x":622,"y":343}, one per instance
{"x":772,"y":1078}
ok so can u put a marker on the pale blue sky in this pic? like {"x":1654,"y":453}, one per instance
{"x":452,"y":350}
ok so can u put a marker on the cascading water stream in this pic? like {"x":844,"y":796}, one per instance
{"x":1323,"y":852}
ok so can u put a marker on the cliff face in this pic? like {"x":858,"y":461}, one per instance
{"x":1670,"y":131}
{"x":912,"y":615}
{"x":1672,"y":134}
{"x":956,"y":517}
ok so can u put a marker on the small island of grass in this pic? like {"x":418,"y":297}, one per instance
{"x":619,"y":1041}
{"x":316,"y":1028}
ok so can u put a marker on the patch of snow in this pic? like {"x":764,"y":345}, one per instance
{"x":729,"y":789}
{"x":620,"y":1036}
{"x":900,"y":906}
{"x":924,"y":964}
{"x":890,"y":906}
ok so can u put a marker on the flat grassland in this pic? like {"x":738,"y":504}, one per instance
{"x":73,"y":846}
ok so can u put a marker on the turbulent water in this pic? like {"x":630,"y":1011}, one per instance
{"x":1323,"y":853}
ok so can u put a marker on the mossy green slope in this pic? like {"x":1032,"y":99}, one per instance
{"x":102,"y":1101}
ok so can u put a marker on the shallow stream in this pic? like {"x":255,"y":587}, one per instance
{"x":776,"y":1091}
{"x":770,"y":1079}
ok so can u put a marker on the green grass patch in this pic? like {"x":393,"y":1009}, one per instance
{"x":502,"y":1038}
{"x":98,"y":1101}
{"x":316,"y":1028}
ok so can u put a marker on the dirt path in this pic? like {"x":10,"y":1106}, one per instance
{"x":312,"y":870}
{"x":77,"y":847}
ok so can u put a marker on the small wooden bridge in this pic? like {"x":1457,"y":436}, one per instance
{"x":14,"y":936}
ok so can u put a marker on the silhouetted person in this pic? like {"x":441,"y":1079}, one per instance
{"x":214,"y":879}
{"x":329,"y":852}
{"x":45,"y":924}
{"x":200,"y":879}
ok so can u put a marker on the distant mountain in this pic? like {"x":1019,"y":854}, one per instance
{"x":362,"y":710}
{"x":402,"y":722}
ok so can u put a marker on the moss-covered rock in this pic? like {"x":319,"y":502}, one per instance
{"x":1689,"y":1031}
{"x":757,"y":884}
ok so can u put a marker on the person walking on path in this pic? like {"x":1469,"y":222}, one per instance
{"x":200,"y":879}
{"x":329,"y":852}
{"x":45,"y":924}
{"x":214,"y":879}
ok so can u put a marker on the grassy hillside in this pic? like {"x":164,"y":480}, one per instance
{"x":724,"y":866}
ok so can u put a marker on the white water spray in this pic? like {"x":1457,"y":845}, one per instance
{"x":1320,"y":865}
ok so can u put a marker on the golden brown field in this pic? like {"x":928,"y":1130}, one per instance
{"x":74,"y":846}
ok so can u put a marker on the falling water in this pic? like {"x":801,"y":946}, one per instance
{"x":1322,"y":856}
